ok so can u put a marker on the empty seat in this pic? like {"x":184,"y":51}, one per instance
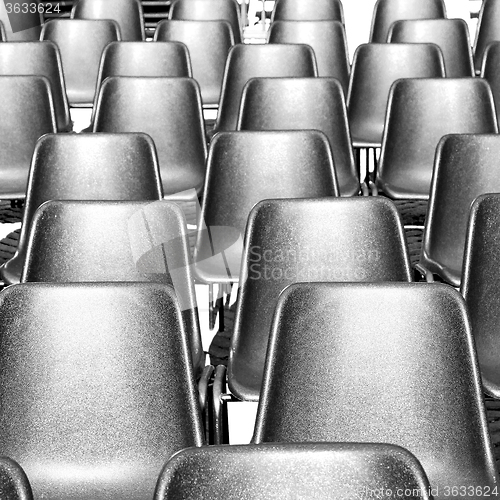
{"x":306,"y":240}
{"x":420,"y":112}
{"x":208,"y":10}
{"x":303,"y":103}
{"x":328,"y":40}
{"x":81,"y":43}
{"x":253,"y":61}
{"x":298,"y":10}
{"x":288,"y":470}
{"x":86,"y":167}
{"x":27,"y":113}
{"x":14,"y":484}
{"x":488,"y":30}
{"x":108,"y":366}
{"x":78,"y":241}
{"x":375,"y":67}
{"x":480,"y":286}
{"x":244,"y":168}
{"x":128,"y":14}
{"x":491,"y":73}
{"x":465,"y":167}
{"x":43,"y":59}
{"x":386,"y":12}
{"x":169,"y":110}
{"x":208,"y":43}
{"x":450,"y":35}
{"x":22,"y":26}
{"x":402,"y":371}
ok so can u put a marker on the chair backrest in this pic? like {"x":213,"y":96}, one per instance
{"x":81,"y":43}
{"x":27,"y":112}
{"x":375,"y":67}
{"x":491,"y":73}
{"x":253,"y":61}
{"x":208,"y":10}
{"x":287,"y":241}
{"x":108,"y":365}
{"x":3,"y":36}
{"x":290,"y":470}
{"x":170,"y":111}
{"x":42,"y":59}
{"x":488,"y":30}
{"x":303,"y":103}
{"x":128,"y":14}
{"x":450,"y":35}
{"x":130,"y":241}
{"x":14,"y":484}
{"x":208,"y":43}
{"x":244,"y":168}
{"x":86,"y":167}
{"x":465,"y":167}
{"x":340,"y":372}
{"x":20,"y":26}
{"x":386,"y":12}
{"x":480,"y":285}
{"x":420,"y":112}
{"x":298,"y":10}
{"x":328,"y":40}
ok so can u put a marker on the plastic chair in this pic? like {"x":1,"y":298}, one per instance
{"x":108,"y":365}
{"x":130,"y":241}
{"x":128,"y":14}
{"x":288,"y":470}
{"x":253,"y":61}
{"x":328,"y":40}
{"x":20,"y":27}
{"x":42,"y":59}
{"x":402,"y":371}
{"x":387,"y":12}
{"x":27,"y":112}
{"x":306,"y":240}
{"x":298,"y":10}
{"x":244,"y":168}
{"x":303,"y":103}
{"x":86,"y":167}
{"x":208,"y":10}
{"x":375,"y":67}
{"x":480,"y":285}
{"x":490,"y":72}
{"x":488,"y":30}
{"x":419,"y":113}
{"x":169,"y":110}
{"x":450,"y":35}
{"x":208,"y":43}
{"x":14,"y":484}
{"x":465,"y":167}
{"x":81,"y":43}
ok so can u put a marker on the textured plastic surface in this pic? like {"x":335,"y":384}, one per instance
{"x":466,"y":166}
{"x":488,"y":30}
{"x":244,"y":168}
{"x":287,"y":470}
{"x":27,"y":112}
{"x":208,"y":10}
{"x":169,"y":110}
{"x":491,"y":73}
{"x":42,"y":59}
{"x":14,"y":484}
{"x":299,"y":104}
{"x":375,"y":67}
{"x":328,"y":40}
{"x":81,"y":43}
{"x":420,"y":112}
{"x":480,"y":286}
{"x":86,"y":167}
{"x":128,"y":15}
{"x":131,"y":241}
{"x":398,"y":371}
{"x":14,"y":23}
{"x":298,"y":10}
{"x":253,"y":61}
{"x":358,"y":239}
{"x":450,"y":35}
{"x":387,"y":12}
{"x":96,"y":387}
{"x":208,"y":43}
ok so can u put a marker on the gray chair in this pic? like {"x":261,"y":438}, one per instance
{"x":300,"y":10}
{"x":488,"y":30}
{"x":490,"y":72}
